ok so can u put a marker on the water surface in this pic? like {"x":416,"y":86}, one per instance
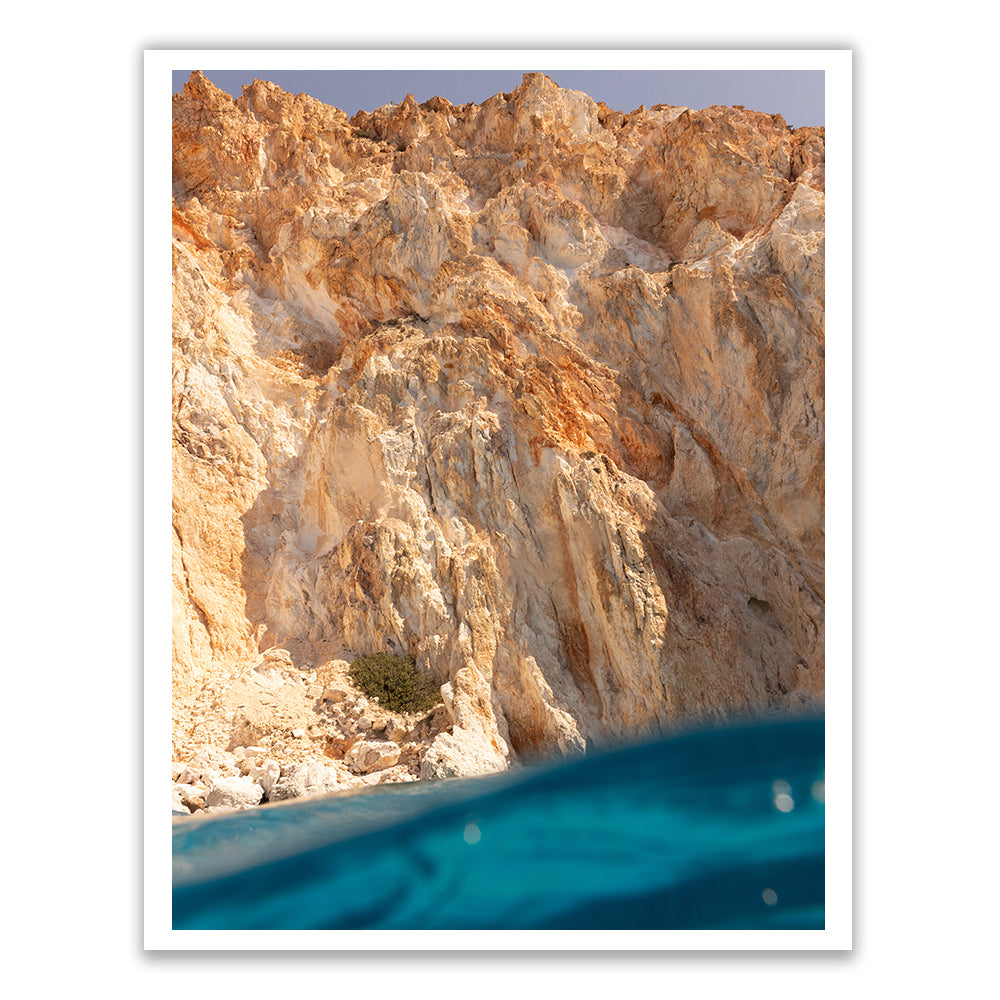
{"x":718,"y":829}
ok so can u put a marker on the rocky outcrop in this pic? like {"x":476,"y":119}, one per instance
{"x":530,"y":390}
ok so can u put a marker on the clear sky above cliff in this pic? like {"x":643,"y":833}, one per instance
{"x":798,"y":95}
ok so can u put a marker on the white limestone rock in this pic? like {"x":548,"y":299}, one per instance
{"x":302,"y":780}
{"x":192,"y":797}
{"x":460,"y":754}
{"x":266,"y":774}
{"x":372,"y":755}
{"x":196,"y":774}
{"x":234,"y":793}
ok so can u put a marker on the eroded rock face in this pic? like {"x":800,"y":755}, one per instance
{"x":531,"y":390}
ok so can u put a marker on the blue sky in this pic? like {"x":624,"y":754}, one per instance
{"x":798,"y":95}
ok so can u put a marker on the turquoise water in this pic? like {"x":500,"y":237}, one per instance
{"x":715,"y":829}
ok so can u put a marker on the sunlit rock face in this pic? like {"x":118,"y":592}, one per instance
{"x":532,"y":390}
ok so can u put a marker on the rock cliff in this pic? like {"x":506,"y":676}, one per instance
{"x":531,"y":390}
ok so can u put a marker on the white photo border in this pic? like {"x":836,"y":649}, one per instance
{"x":837,"y":65}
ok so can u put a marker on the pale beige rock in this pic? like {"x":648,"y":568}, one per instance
{"x":394,"y":730}
{"x":304,"y":780}
{"x":460,"y":755}
{"x":266,"y":774}
{"x":372,"y":755}
{"x":195,"y":800}
{"x":199,"y":775}
{"x":531,"y":390}
{"x":234,"y":793}
{"x":178,"y":800}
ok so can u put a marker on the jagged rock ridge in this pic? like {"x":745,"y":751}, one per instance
{"x":532,"y":390}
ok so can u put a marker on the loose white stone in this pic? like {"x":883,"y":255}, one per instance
{"x":234,"y":792}
{"x":460,"y":754}
{"x":371,"y":755}
{"x":198,"y":775}
{"x":304,"y":779}
{"x":266,"y":774}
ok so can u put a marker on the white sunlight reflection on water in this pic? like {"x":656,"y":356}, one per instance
{"x":783,"y":800}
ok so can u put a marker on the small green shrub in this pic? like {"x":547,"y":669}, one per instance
{"x":395,"y":681}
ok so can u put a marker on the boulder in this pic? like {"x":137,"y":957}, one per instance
{"x":372,"y":755}
{"x":198,"y":774}
{"x":395,"y":730}
{"x":460,"y":754}
{"x":266,"y":774}
{"x":194,"y":801}
{"x":302,"y":780}
{"x":234,"y":793}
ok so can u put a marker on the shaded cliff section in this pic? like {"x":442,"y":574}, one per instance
{"x":532,"y":390}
